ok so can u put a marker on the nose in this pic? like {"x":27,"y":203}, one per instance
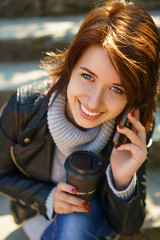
{"x":95,"y":99}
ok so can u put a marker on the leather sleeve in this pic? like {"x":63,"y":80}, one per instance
{"x":126,"y":218}
{"x":13,"y":183}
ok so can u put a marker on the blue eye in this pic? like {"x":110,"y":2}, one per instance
{"x":87,"y":76}
{"x":117,"y":90}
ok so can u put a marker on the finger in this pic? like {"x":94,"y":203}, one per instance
{"x":130,"y":135}
{"x":137,"y":128}
{"x":62,"y":186}
{"x":64,"y":208}
{"x":63,"y":200}
{"x":136,"y":113}
{"x":73,"y":208}
{"x":65,"y":197}
{"x":137,"y":153}
{"x":140,"y":129}
{"x":59,"y":194}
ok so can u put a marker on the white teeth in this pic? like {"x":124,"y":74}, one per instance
{"x":89,"y":113}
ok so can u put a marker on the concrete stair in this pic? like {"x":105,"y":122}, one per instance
{"x":28,"y":38}
{"x":23,"y":43}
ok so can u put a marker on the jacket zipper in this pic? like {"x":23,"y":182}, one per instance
{"x":17,"y":165}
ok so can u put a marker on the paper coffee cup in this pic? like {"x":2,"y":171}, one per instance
{"x":83,"y":171}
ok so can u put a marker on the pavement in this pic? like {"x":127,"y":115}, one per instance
{"x":15,"y":74}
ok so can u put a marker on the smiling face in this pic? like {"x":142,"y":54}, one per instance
{"x":94,"y":93}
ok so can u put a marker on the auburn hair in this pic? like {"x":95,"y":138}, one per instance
{"x":130,"y":37}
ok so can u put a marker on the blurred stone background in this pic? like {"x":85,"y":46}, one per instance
{"x":27,"y":30}
{"x":36,"y":8}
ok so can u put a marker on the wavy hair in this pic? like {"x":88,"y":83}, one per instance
{"x":130,"y":37}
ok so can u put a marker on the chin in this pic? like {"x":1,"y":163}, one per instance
{"x":82,"y":125}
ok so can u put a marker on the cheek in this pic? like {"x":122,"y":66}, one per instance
{"x":69,"y":96}
{"x":117,"y":105}
{"x":72,"y":93}
{"x":70,"y":88}
{"x":75,"y":89}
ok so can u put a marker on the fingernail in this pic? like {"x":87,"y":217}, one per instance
{"x":132,"y":114}
{"x":120,"y":126}
{"x":117,"y":146}
{"x":84,"y":204}
{"x":74,"y":190}
{"x":88,"y":208}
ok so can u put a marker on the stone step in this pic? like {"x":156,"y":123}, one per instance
{"x":30,"y":8}
{"x":16,"y":74}
{"x":28,"y":38}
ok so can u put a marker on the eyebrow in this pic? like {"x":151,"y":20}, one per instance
{"x":89,"y":71}
{"x":92,"y":73}
{"x":118,"y":84}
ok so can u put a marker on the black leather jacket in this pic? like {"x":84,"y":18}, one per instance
{"x":26,"y":155}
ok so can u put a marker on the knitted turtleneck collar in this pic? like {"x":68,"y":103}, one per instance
{"x":67,"y":137}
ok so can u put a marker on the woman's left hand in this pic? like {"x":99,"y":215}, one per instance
{"x":127,"y":158}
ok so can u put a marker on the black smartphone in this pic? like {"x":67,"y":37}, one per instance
{"x":118,"y":137}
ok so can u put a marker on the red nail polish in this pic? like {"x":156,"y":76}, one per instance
{"x":84,"y":204}
{"x":120,"y":126}
{"x":88,"y":208}
{"x":74,"y":190}
{"x":132,"y":114}
{"x":117,"y":146}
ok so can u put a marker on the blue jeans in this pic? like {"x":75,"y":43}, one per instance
{"x":92,"y":225}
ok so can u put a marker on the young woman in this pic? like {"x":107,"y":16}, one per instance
{"x":112,"y":63}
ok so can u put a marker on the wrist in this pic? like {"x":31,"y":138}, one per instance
{"x":120,"y":185}
{"x":125,"y":194}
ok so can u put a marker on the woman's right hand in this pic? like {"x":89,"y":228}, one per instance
{"x":64,"y":202}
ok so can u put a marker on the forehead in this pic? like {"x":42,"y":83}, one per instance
{"x":97,"y":60}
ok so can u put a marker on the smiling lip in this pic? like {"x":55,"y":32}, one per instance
{"x":87,"y":114}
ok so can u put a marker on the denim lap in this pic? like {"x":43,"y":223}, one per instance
{"x":92,"y":225}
